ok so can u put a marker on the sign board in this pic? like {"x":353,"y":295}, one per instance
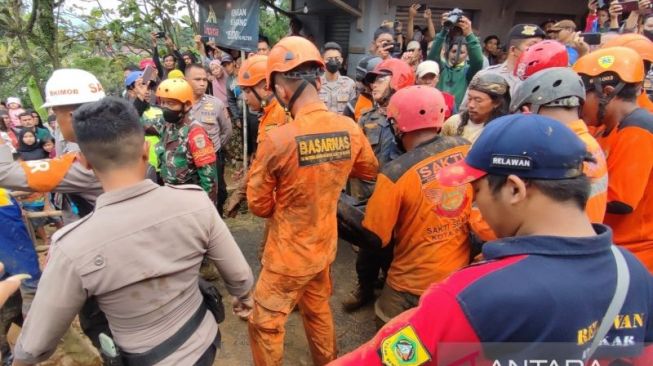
{"x":231,"y":24}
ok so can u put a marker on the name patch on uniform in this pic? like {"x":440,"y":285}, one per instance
{"x":429,"y":172}
{"x":404,"y":348}
{"x":323,"y":147}
{"x":512,"y":162}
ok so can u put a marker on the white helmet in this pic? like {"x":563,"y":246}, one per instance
{"x":72,"y":86}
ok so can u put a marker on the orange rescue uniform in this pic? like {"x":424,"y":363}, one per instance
{"x":597,"y":172}
{"x":363,"y":104}
{"x":629,"y":151}
{"x":295,"y":180}
{"x":429,"y":222}
{"x":273,"y":116}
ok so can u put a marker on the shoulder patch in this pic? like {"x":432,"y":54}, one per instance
{"x":200,"y":147}
{"x":398,"y":167}
{"x":323,"y":147}
{"x":404,"y":348}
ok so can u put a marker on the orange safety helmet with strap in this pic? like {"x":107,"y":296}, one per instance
{"x":177,"y":89}
{"x":616,"y":66}
{"x":417,"y":107}
{"x":251,"y":73}
{"x":286,"y":57}
{"x":644,"y":47}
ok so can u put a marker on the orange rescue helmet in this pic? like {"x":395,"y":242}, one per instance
{"x":623,"y":62}
{"x":177,"y":89}
{"x":637,"y":42}
{"x":290,"y":53}
{"x":417,"y":107}
{"x":252,"y":71}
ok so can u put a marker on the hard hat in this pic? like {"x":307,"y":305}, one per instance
{"x":540,"y":56}
{"x":252,"y":71}
{"x":177,"y":89}
{"x":365,"y":65}
{"x":132,"y":77}
{"x":175,"y":74}
{"x":290,"y":53}
{"x":71,"y":87}
{"x":557,"y":86}
{"x":417,"y":107}
{"x":402,"y":73}
{"x":145,"y":63}
{"x":634,"y":41}
{"x":623,"y":62}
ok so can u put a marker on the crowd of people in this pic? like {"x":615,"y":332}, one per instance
{"x":495,"y":194}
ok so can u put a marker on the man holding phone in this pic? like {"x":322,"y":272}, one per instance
{"x":565,"y":33}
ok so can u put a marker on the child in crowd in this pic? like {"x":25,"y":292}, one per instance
{"x":15,"y":110}
{"x":48,"y":146}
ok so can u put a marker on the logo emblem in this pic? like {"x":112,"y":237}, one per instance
{"x":404,"y":348}
{"x":200,"y":142}
{"x":529,"y":30}
{"x":606,"y":61}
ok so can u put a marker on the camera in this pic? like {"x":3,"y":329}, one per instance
{"x":454,"y":17}
{"x":161,"y":35}
{"x":395,"y":47}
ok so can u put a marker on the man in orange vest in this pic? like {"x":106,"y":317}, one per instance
{"x":613,"y":79}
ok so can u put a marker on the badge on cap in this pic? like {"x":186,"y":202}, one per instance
{"x":529,"y":30}
{"x":606,"y":61}
{"x":512,"y":162}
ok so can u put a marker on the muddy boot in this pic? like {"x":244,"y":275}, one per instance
{"x":357,"y":299}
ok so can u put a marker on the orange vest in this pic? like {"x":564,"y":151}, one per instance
{"x":363,"y":104}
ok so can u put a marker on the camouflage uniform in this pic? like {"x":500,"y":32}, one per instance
{"x":186,"y":156}
{"x":336,"y":94}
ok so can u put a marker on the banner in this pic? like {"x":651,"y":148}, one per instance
{"x":231,"y":24}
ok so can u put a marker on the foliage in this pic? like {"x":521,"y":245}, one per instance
{"x":39,"y":36}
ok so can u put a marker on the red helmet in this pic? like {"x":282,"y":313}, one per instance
{"x":402,"y":73}
{"x":540,"y":56}
{"x":417,"y":107}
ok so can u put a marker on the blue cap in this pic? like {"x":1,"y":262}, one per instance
{"x":526,"y":145}
{"x":132,"y":77}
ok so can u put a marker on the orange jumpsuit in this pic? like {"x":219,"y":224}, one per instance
{"x":629,"y":151}
{"x":295,"y":180}
{"x":428,"y":222}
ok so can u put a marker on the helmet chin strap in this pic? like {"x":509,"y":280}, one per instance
{"x":605,"y":99}
{"x":297,"y":93}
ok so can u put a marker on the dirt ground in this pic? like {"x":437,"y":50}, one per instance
{"x":351,"y":329}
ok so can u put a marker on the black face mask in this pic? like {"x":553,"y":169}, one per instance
{"x":333,"y":66}
{"x":648,"y":34}
{"x":172,"y":116}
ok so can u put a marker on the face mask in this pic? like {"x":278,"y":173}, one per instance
{"x":172,"y":116}
{"x":333,"y":66}
{"x":648,"y":34}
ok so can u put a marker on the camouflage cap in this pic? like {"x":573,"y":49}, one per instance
{"x":490,"y":83}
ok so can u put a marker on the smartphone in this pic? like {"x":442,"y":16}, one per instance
{"x":148,"y":74}
{"x":591,"y":39}
{"x":422,"y":7}
{"x":161,"y":35}
{"x":205,"y":39}
{"x":629,"y":6}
